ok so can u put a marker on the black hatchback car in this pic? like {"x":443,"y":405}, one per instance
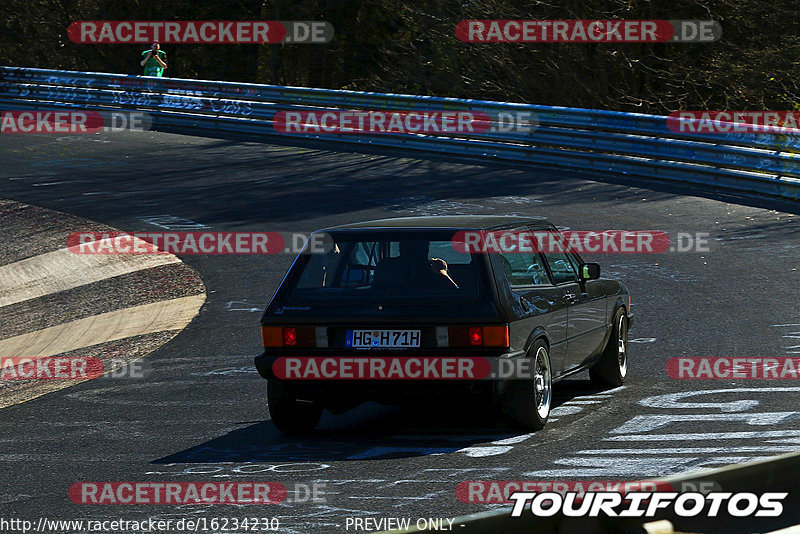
{"x":403,"y":289}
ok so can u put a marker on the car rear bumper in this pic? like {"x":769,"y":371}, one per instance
{"x":264,"y":365}
{"x":380,"y":389}
{"x":630,"y":320}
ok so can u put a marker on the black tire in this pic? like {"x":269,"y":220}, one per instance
{"x":612,"y":368}
{"x":526,"y":403}
{"x":289,"y":415}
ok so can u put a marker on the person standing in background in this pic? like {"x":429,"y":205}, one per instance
{"x":154,"y":61}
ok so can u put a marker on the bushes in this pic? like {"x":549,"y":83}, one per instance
{"x":410,"y":46}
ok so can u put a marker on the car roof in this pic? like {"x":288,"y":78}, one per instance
{"x":462,"y":222}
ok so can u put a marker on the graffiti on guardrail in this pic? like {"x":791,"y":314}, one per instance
{"x":62,"y":80}
{"x":634,"y":145}
{"x":180,"y":102}
{"x":46,"y":93}
{"x":135,"y":99}
{"x":24,"y":74}
{"x":231,"y":107}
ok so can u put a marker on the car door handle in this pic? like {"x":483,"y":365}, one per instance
{"x":569,"y":297}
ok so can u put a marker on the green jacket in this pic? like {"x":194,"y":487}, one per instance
{"x":152,"y":67}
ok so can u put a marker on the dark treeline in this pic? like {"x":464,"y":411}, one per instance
{"x":410,"y":46}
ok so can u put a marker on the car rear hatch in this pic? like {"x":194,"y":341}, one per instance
{"x":383,"y":292}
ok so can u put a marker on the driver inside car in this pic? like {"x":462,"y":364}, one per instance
{"x":413,"y":265}
{"x":439,"y":266}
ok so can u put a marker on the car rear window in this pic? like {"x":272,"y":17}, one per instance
{"x":388,"y":268}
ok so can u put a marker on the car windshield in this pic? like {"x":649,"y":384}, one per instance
{"x":388,"y":268}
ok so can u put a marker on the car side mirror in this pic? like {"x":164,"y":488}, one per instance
{"x":589,"y":271}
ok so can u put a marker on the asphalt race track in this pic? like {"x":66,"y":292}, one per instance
{"x":199,"y":413}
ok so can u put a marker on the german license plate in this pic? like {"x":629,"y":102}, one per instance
{"x":382,"y":339}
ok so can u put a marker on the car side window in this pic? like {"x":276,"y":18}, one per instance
{"x":365,"y":253}
{"x":359,"y":269}
{"x":523,"y":269}
{"x":576,"y":263}
{"x":562,"y":267}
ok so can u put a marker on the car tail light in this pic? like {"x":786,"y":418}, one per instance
{"x":289,"y":336}
{"x":495,"y":336}
{"x":473,"y":336}
{"x":272,"y":336}
{"x":294,"y":336}
{"x":629,"y":303}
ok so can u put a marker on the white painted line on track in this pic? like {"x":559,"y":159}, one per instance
{"x":45,"y":184}
{"x":788,"y":530}
{"x":171,"y":222}
{"x":603,"y":466}
{"x":752,"y":434}
{"x":513,"y":440}
{"x":63,"y":269}
{"x":480,"y":452}
{"x":448,"y":437}
{"x":693,"y":450}
{"x":560,"y":411}
{"x":160,"y":316}
{"x":676,"y":400}
{"x":646,"y":423}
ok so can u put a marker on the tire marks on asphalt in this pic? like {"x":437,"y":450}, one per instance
{"x":790,"y":332}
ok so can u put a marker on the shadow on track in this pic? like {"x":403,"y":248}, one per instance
{"x":664,"y":188}
{"x":375,"y":432}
